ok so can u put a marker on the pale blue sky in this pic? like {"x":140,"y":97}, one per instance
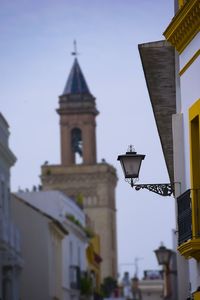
{"x":36,"y":40}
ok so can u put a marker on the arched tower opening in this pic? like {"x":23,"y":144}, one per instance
{"x":77,"y":145}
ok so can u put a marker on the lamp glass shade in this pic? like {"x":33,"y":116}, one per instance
{"x":163,"y":255}
{"x":131,"y":163}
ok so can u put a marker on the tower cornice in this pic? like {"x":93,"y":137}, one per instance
{"x":77,"y":104}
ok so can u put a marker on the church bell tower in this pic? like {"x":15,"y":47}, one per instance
{"x":79,"y":173}
{"x":77,"y":120}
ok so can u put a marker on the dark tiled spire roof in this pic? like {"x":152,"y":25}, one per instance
{"x":76,"y":83}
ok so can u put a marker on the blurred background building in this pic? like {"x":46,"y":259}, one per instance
{"x":79,"y":175}
{"x":11,"y":262}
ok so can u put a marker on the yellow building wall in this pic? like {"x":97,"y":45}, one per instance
{"x":196,"y":296}
{"x":94,"y":247}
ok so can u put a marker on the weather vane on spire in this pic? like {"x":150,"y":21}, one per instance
{"x":75,"y":52}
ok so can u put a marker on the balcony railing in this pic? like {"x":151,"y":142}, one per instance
{"x":184,"y":217}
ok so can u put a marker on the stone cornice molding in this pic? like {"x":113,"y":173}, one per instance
{"x":184,"y":26}
{"x":96,"y":173}
{"x":85,"y":192}
{"x":79,"y":169}
{"x":100,"y":206}
{"x":65,"y":122}
{"x":77,"y":111}
{"x":70,"y":106}
{"x":81,"y":180}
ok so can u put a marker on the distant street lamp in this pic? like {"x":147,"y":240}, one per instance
{"x":131,"y":163}
{"x":163,"y":256}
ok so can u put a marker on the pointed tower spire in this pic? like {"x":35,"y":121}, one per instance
{"x":76,"y":83}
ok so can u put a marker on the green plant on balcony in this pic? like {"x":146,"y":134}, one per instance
{"x":86,"y":286}
{"x":88,"y":231}
{"x":108,"y":286}
{"x":74,"y":220}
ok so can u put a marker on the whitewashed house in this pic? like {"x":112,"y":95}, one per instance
{"x":10,"y":252}
{"x":183,"y":33}
{"x":71,"y":251}
{"x":172,"y":71}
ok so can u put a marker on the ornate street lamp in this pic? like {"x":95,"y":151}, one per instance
{"x":131,"y":163}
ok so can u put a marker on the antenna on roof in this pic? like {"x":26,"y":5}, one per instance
{"x":75,"y":52}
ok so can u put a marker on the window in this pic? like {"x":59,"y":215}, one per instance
{"x":184,"y":217}
{"x":74,"y":275}
{"x":7,"y":283}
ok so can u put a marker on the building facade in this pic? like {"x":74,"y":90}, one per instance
{"x":158,"y":60}
{"x":79,"y":175}
{"x":55,"y":225}
{"x":10,"y":251}
{"x":178,"y":99}
{"x":183,"y":34}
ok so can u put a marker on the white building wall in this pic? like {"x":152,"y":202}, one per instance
{"x":180,"y":185}
{"x":189,"y":51}
{"x":34,"y":283}
{"x":59,"y":206}
{"x":194,"y":271}
{"x":190,"y":93}
{"x":75,"y":250}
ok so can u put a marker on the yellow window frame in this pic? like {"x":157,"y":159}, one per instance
{"x":194,"y":128}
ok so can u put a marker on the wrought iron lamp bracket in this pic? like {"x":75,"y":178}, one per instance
{"x":163,"y":189}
